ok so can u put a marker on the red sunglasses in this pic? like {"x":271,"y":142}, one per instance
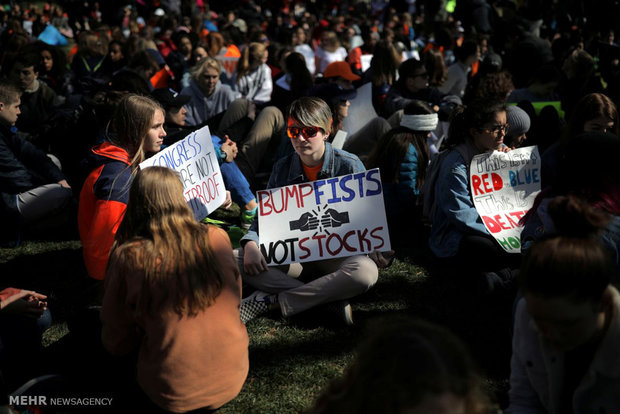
{"x":307,"y":132}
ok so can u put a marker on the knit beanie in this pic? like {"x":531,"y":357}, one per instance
{"x":518,"y":120}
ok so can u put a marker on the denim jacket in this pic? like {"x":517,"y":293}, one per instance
{"x":289,"y":170}
{"x":456,"y":214}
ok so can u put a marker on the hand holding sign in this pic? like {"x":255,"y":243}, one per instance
{"x":229,"y":147}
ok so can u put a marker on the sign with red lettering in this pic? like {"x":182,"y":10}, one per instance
{"x":323,"y":219}
{"x":503,"y":187}
{"x":195,"y":159}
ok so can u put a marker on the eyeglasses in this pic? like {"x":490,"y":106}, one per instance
{"x":420,"y":75}
{"x":496,"y":130}
{"x":307,"y":131}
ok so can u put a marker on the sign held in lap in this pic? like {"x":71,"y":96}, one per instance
{"x":503,"y":187}
{"x":324,"y":219}
{"x":195,"y":159}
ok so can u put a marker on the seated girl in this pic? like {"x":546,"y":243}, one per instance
{"x":402,"y":155}
{"x":138,"y":126}
{"x":172,"y":293}
{"x":458,"y":236}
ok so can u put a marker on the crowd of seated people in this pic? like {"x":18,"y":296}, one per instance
{"x":88,"y":93}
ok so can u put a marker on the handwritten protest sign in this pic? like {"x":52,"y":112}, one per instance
{"x":336,"y":217}
{"x":503,"y":187}
{"x":195,"y":159}
{"x":361,"y":110}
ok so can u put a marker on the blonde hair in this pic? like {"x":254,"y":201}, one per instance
{"x":160,"y":236}
{"x":250,"y":55}
{"x":203,"y":64}
{"x":331,"y":38}
{"x":132,"y":120}
{"x":311,"y":111}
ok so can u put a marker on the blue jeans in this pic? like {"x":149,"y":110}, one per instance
{"x":236,"y":183}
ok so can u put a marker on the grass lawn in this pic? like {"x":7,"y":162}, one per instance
{"x":291,"y":361}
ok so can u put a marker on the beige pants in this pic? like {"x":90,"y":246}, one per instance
{"x":41,"y":202}
{"x":302,"y":286}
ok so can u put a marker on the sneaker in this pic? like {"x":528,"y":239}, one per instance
{"x":258,"y":303}
{"x":247,"y":218}
{"x":342,"y":310}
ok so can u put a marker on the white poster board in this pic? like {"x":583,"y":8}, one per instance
{"x":410,"y":54}
{"x":195,"y":159}
{"x":361,"y":110}
{"x":339,"y":139}
{"x":365,"y":61}
{"x":336,"y":217}
{"x":503,"y":187}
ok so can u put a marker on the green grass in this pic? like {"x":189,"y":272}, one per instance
{"x":291,"y":361}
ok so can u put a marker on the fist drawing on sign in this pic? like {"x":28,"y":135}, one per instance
{"x":332,"y":218}
{"x":306,"y":222}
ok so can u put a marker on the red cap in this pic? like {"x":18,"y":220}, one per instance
{"x":340,"y":69}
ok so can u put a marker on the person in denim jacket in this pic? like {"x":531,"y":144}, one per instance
{"x":458,"y":232}
{"x":320,"y":282}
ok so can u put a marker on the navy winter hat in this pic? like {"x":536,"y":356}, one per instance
{"x":518,"y":120}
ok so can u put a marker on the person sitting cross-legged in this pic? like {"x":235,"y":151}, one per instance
{"x":319,"y":282}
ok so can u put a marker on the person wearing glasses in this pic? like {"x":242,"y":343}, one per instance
{"x":412,"y":84}
{"x":458,"y":237}
{"x":309,"y":124}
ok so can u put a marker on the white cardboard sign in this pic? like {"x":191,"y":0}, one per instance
{"x":503,"y":186}
{"x":328,"y":218}
{"x":361,"y":110}
{"x":195,"y":159}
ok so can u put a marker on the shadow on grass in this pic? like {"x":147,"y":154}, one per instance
{"x":290,"y":361}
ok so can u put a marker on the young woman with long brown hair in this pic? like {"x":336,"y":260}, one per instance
{"x":172,"y":292}
{"x":137,"y":128}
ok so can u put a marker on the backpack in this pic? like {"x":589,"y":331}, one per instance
{"x":427,"y":192}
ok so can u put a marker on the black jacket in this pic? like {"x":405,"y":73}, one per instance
{"x":22,"y":167}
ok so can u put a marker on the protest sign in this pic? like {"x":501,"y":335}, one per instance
{"x":410,"y":54}
{"x":361,"y":110}
{"x":339,"y":139}
{"x":229,"y":64}
{"x":195,"y":159}
{"x":336,"y":217}
{"x":503,"y":187}
{"x":365,"y":61}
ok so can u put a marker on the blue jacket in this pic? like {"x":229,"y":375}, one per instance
{"x":401,"y":196}
{"x":289,"y":170}
{"x":456,"y":214}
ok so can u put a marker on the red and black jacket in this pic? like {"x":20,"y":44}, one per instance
{"x":103,"y":201}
